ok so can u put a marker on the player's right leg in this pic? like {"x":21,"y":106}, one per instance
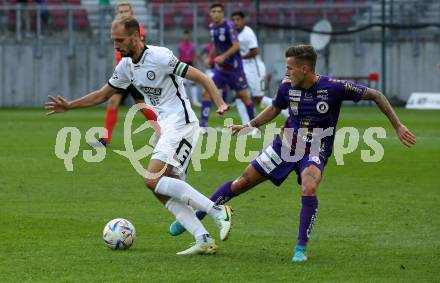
{"x":204,"y":243}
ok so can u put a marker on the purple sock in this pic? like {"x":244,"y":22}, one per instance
{"x":250,"y":111}
{"x":222,"y":195}
{"x":206,"y":107}
{"x":308,"y":215}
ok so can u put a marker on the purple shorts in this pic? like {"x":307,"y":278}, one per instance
{"x":270,"y":164}
{"x":234,"y":80}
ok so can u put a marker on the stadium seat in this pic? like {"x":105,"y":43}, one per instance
{"x":80,"y":19}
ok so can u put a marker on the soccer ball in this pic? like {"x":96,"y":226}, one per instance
{"x":119,"y":234}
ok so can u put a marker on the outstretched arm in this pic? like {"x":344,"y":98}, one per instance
{"x":264,"y":117}
{"x":405,"y":135}
{"x":59,"y":104}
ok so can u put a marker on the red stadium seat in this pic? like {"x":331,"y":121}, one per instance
{"x":80,"y":19}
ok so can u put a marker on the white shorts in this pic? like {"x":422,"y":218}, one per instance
{"x":175,"y":147}
{"x":255,"y":76}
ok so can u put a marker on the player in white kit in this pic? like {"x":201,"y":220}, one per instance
{"x":157,"y":74}
{"x":253,"y":65}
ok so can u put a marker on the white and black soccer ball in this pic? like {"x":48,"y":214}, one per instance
{"x":119,"y":234}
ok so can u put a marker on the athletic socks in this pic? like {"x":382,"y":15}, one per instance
{"x":185,"y":215}
{"x":308,"y":215}
{"x":183,"y":192}
{"x":111,"y":116}
{"x":242,"y":111}
{"x":250,"y":110}
{"x":221,"y":196}
{"x":205,"y":109}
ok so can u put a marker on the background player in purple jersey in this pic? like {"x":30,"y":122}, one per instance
{"x":228,"y":69}
{"x":313,"y":101}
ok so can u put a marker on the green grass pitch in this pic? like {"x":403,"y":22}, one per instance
{"x":377,"y":222}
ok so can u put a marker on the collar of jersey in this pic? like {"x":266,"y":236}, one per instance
{"x":142,"y":55}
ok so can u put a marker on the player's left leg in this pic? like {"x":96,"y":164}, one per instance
{"x":228,"y":190}
{"x":310,"y":179}
{"x":183,"y":192}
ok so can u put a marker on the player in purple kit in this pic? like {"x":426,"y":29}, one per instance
{"x":228,"y":70}
{"x":314,"y":102}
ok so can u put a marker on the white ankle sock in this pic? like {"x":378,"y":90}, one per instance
{"x":242,"y":111}
{"x":266,"y":101}
{"x":185,"y":215}
{"x":183,"y":192}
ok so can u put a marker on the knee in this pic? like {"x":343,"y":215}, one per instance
{"x":308,"y":187}
{"x":240,"y":185}
{"x":257,"y":100}
{"x":151,"y":183}
{"x":205,"y":96}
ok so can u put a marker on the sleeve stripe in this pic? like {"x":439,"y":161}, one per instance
{"x":117,"y":88}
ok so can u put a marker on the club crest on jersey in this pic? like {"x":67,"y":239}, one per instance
{"x":322,"y":107}
{"x":151,"y":75}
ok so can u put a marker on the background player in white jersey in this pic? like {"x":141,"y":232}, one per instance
{"x":157,"y":74}
{"x":253,"y":66}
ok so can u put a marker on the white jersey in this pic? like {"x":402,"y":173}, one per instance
{"x":248,"y":41}
{"x":158,"y":76}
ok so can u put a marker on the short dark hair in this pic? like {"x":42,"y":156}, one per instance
{"x":131,"y":25}
{"x":238,"y":13}
{"x":216,"y":5}
{"x":303,"y":52}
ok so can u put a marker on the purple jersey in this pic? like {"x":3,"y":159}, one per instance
{"x":316,"y":107}
{"x":223,"y":35}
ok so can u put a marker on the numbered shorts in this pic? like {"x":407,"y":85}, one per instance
{"x":270,"y":164}
{"x":175,"y":147}
{"x":234,"y":80}
{"x":255,"y":76}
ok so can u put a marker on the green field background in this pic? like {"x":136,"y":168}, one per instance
{"x":377,"y":222}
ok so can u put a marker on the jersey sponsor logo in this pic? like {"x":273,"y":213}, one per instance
{"x":294,"y":107}
{"x":151,"y":90}
{"x":295,"y":99}
{"x":151,"y":75}
{"x":322,"y":107}
{"x":308,"y":95}
{"x":136,"y":67}
{"x":265,"y":162}
{"x":294,"y":92}
{"x":322,"y":94}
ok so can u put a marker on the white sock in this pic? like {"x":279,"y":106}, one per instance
{"x":183,"y":192}
{"x":242,"y":111}
{"x":186,"y":216}
{"x":266,"y":101}
{"x":194,"y":95}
